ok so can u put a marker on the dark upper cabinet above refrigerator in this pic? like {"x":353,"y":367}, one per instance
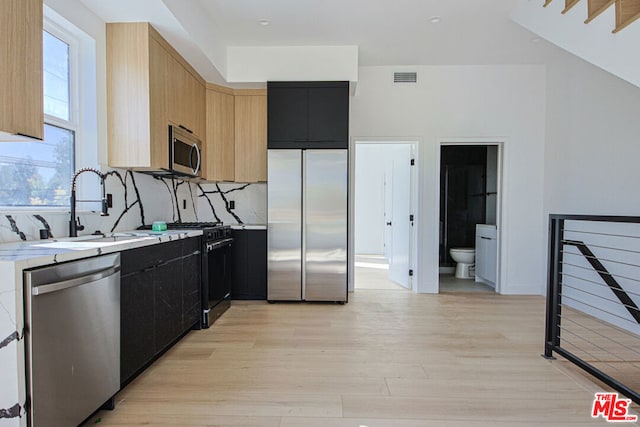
{"x":287,"y":112}
{"x":308,"y":114}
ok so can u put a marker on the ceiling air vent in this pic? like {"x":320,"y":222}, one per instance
{"x":405,"y":77}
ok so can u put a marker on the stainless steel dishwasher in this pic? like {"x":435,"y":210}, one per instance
{"x":72,"y":316}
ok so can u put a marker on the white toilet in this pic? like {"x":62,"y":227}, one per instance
{"x":465,"y":258}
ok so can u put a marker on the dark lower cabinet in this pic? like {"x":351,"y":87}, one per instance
{"x":137,"y":329}
{"x":159,"y":300}
{"x":191,"y":284}
{"x":249,"y":265}
{"x":167,"y":285}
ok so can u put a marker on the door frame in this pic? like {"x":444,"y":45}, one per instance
{"x":414,"y":249}
{"x":501,"y":143}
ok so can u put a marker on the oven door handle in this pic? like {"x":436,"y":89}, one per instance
{"x":218,"y":245}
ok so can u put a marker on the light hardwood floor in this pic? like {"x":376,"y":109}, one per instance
{"x":372,"y":272}
{"x":385,"y":359}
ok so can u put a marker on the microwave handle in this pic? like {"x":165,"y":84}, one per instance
{"x":197,"y":168}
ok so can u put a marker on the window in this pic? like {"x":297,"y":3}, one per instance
{"x":57,"y":83}
{"x":39,"y":173}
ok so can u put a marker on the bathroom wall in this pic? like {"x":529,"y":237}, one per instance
{"x":492,"y":185}
{"x":140,"y":199}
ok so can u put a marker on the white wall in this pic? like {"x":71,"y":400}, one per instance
{"x":370,"y":168}
{"x":292,"y":63}
{"x":372,"y":162}
{"x":592,"y":147}
{"x":503,"y":103}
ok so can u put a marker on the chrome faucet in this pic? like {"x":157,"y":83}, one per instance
{"x":74,"y":223}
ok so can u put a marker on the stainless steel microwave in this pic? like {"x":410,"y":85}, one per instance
{"x":185,"y":152}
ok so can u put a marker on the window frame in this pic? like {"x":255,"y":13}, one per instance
{"x":72,"y":123}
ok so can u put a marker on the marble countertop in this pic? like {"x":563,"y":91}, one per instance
{"x":37,"y":253}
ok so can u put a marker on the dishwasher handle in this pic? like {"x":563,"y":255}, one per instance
{"x":78,"y":281}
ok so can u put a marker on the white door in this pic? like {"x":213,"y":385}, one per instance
{"x":388,"y":212}
{"x":399,"y":261}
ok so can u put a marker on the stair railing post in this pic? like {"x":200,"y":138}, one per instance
{"x":554,"y":283}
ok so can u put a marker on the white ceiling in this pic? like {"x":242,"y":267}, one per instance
{"x":388,"y":32}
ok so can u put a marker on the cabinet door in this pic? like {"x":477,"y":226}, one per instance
{"x":196,"y":97}
{"x":220,"y":146}
{"x":177,"y":94}
{"x":249,"y":265}
{"x":329,"y":115}
{"x":138,"y":259}
{"x":167,"y":281}
{"x":288,"y":114}
{"x":21,"y":110}
{"x":492,"y":260}
{"x":250,"y":138}
{"x":480,"y":255}
{"x":187,"y":95}
{"x":159,"y":75}
{"x":191,"y":284}
{"x":257,"y":264}
{"x":137,"y":332}
{"x":239,"y":265}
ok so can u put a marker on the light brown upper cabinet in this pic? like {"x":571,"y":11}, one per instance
{"x":219,"y":150}
{"x":236,"y":148}
{"x":149,"y":86}
{"x":187,"y":95}
{"x":21,"y":104}
{"x":251,"y":135}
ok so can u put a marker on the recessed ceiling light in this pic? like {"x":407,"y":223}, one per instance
{"x":535,"y":39}
{"x":435,"y":19}
{"x":264,"y":22}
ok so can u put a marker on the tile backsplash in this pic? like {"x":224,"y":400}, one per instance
{"x":141,"y":199}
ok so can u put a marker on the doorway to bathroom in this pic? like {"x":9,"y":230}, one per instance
{"x":469,"y":182}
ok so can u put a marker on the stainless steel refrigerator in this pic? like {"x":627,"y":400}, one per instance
{"x":307,"y":225}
